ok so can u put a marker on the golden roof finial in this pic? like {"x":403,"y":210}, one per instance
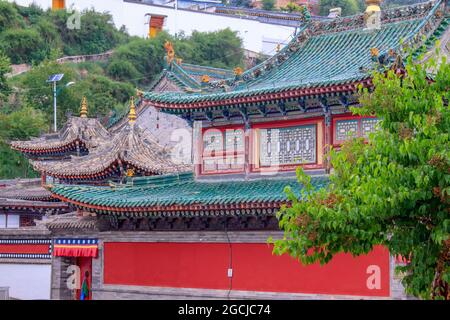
{"x":373,"y":5}
{"x":84,"y":110}
{"x":238,"y":71}
{"x":205,"y":78}
{"x":374,"y":52}
{"x":132,"y":114}
{"x":169,"y":51}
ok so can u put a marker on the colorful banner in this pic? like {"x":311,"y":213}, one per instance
{"x":75,"y":248}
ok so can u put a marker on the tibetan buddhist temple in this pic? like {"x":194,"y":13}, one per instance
{"x":130,"y":152}
{"x":77,"y":137}
{"x":203,"y":234}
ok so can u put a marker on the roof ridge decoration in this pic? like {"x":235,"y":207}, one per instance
{"x":84,"y":110}
{"x":82,"y":131}
{"x":132,"y":114}
{"x":132,"y":147}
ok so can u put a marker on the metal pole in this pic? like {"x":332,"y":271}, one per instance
{"x":54,"y":105}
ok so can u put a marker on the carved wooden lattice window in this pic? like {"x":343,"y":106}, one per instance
{"x":223,"y":150}
{"x":348,"y":128}
{"x":289,"y":145}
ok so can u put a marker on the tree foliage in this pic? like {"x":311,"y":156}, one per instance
{"x":21,"y":124}
{"x":391,"y":191}
{"x":140,"y":60}
{"x":293,"y":7}
{"x":23,"y":45}
{"x":103,"y":94}
{"x":349,"y":7}
{"x":5,"y":68}
{"x":221,"y":49}
{"x":268,"y":4}
{"x":28,"y":34}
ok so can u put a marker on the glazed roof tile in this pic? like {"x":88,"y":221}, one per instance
{"x":181,"y":192}
{"x":187,"y":77}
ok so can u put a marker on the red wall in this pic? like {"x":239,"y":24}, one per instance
{"x":26,"y":248}
{"x":204,"y":265}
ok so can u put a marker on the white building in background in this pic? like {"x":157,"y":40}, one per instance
{"x":261,"y":31}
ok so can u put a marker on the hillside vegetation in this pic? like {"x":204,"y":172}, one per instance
{"x":36,"y":37}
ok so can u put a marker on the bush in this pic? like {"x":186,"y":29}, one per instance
{"x":268,"y":4}
{"x":23,"y":45}
{"x":349,"y":7}
{"x":9,"y":16}
{"x":123,"y":71}
{"x":97,"y":33}
{"x":141,"y":58}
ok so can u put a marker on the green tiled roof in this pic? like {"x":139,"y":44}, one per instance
{"x":181,"y":190}
{"x":324,"y":54}
{"x":188,"y":76}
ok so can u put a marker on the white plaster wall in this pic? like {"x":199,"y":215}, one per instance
{"x":26,"y":281}
{"x":132,"y":15}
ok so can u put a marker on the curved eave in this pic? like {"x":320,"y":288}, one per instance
{"x":41,"y":151}
{"x":172,"y":210}
{"x":350,"y":87}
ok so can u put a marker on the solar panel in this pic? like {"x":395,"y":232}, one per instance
{"x":55,"y":77}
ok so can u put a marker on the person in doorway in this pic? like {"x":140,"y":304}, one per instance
{"x":85,"y":287}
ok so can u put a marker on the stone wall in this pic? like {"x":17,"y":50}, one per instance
{"x":59,"y":289}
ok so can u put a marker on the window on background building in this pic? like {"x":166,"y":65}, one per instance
{"x":345,"y":129}
{"x":2,"y":221}
{"x":223,"y":150}
{"x":13,"y":221}
{"x":9,"y":221}
{"x":292,"y":145}
{"x":58,"y":4}
{"x":284,"y":148}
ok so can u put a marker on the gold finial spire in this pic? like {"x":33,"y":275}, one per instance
{"x":373,"y":5}
{"x":170,"y":52}
{"x":84,"y":110}
{"x":132,"y":114}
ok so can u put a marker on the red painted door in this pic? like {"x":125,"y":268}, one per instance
{"x":85,"y":264}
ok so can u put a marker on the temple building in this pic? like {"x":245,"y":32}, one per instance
{"x":130,"y":152}
{"x":203,"y":234}
{"x":77,"y":137}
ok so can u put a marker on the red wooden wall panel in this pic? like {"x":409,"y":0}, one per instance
{"x":198,"y":265}
{"x":257,"y":269}
{"x":204,"y":265}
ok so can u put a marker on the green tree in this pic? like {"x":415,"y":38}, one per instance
{"x":392,"y":191}
{"x":5,"y":67}
{"x":97,"y":33}
{"x":268,"y":4}
{"x":293,"y":7}
{"x":349,"y":7}
{"x":221,"y":49}
{"x":23,"y":45}
{"x":140,"y":59}
{"x":20,"y":124}
{"x":9,"y":16}
{"x":38,"y":93}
